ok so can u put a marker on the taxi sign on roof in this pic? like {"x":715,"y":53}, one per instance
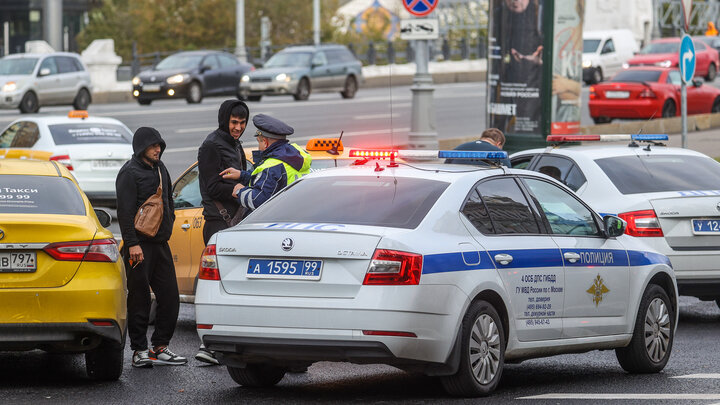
{"x":420,"y":8}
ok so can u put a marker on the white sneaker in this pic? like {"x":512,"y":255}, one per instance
{"x":163,"y":355}
{"x":141,"y":359}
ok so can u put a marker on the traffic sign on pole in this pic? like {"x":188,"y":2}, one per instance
{"x":686,"y":60}
{"x":420,"y":8}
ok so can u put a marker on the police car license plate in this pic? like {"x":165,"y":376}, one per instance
{"x":706,"y":226}
{"x":18,"y":262}
{"x":151,"y":87}
{"x":617,"y":94}
{"x":285,"y":269}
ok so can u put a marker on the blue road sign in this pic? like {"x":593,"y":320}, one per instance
{"x":686,"y":62}
{"x":420,"y":8}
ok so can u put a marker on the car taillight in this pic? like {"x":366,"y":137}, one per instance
{"x":102,"y":250}
{"x":208,"y":265}
{"x":593,"y":94}
{"x":647,"y":93}
{"x":392,"y":267}
{"x":63,"y":160}
{"x":642,"y":223}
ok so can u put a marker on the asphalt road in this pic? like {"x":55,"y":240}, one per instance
{"x":692,"y":376}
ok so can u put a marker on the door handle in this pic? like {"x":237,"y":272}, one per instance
{"x":185,"y":227}
{"x":572,"y":257}
{"x":503,"y":258}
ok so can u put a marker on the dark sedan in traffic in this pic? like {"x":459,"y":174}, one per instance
{"x":191,"y":75}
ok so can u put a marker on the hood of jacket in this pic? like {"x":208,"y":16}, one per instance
{"x":144,"y":137}
{"x":224,"y":113}
{"x":283,"y":150}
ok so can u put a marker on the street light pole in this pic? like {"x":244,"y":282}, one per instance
{"x":422,"y":118}
{"x":316,"y":22}
{"x":240,"y":30}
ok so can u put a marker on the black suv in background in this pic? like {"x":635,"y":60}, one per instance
{"x":190,"y":75}
{"x":300,"y":70}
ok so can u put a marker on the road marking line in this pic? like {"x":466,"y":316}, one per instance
{"x":711,"y":375}
{"x":374,"y":116}
{"x":186,"y":149}
{"x":600,"y":396}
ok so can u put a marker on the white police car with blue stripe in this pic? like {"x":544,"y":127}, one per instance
{"x":670,"y":197}
{"x":449,"y":270}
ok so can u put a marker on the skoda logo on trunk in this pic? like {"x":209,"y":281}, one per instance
{"x":287,"y":244}
{"x":2,"y":234}
{"x":717,"y":207}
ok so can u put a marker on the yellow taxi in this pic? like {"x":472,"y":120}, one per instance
{"x":62,"y":287}
{"x":186,"y":242}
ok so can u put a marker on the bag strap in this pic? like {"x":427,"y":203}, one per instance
{"x":160,"y":187}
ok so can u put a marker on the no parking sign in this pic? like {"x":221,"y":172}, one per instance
{"x":420,"y":8}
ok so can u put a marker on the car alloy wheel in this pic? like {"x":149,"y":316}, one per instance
{"x":29,"y":103}
{"x":194,"y":95}
{"x":657,"y":330}
{"x":303,"y":90}
{"x":597,"y":75}
{"x":668,"y":109}
{"x":82,"y":100}
{"x":712,"y":72}
{"x":350,"y":88}
{"x":485,"y":349}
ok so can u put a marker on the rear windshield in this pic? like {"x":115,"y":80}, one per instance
{"x":661,"y":47}
{"x":394,"y":202}
{"x":72,"y":134}
{"x":636,"y":76}
{"x":39,"y":195}
{"x":590,"y":45}
{"x":658,"y":173}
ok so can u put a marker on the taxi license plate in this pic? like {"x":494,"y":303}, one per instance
{"x":706,"y":226}
{"x":107,"y":163}
{"x":617,"y":94}
{"x":151,"y":87}
{"x":285,"y":269}
{"x":18,"y":262}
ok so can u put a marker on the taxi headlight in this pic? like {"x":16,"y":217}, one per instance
{"x":9,"y":87}
{"x":176,"y":79}
{"x":665,"y":63}
{"x":245,"y":79}
{"x":282,"y":77}
{"x":135,"y":81}
{"x":586,"y":63}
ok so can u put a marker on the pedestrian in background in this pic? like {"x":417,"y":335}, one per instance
{"x":491,"y":140}
{"x":222,"y":149}
{"x":148,"y":260}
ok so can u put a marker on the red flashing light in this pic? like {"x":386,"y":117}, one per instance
{"x":392,"y":267}
{"x":642,"y":223}
{"x":373,"y":154}
{"x":208,"y":265}
{"x":63,"y":160}
{"x":102,"y":250}
{"x":204,"y":326}
{"x":572,"y":138}
{"x":388,"y":333}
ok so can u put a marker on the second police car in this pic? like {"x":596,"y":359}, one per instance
{"x":668,"y":196}
{"x":448,"y":270}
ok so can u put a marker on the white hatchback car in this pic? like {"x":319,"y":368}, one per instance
{"x":670,"y":197}
{"x":93,"y":148}
{"x":449,"y":270}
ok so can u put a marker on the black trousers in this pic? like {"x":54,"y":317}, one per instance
{"x":156,"y":271}
{"x":211,"y":227}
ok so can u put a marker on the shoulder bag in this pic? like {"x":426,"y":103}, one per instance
{"x":150,"y":213}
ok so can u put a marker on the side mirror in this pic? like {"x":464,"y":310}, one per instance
{"x":205,"y":68}
{"x":315,"y":64}
{"x":697,"y":82}
{"x":44,"y":72}
{"x":614,"y":226}
{"x":103,"y":216}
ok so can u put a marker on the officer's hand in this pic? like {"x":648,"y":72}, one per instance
{"x":136,"y":254}
{"x":236,"y":190}
{"x":231,"y":173}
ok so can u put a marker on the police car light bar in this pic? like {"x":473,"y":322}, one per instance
{"x":608,"y":138}
{"x":471,"y":154}
{"x":373,"y":154}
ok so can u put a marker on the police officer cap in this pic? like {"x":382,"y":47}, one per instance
{"x":270,"y":127}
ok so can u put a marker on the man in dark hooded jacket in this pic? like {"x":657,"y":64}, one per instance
{"x":220,"y":150}
{"x":148,"y":260}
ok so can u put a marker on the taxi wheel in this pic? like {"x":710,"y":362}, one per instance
{"x":303,"y":90}
{"x":350,"y":88}
{"x":105,"y":362}
{"x":482,"y":355}
{"x":651,"y":344}
{"x":256,"y":375}
{"x":29,"y":103}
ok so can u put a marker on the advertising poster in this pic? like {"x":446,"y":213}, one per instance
{"x":566,"y":66}
{"x":515,"y":66}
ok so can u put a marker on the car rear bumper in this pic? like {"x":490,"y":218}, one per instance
{"x":705,"y":289}
{"x":268,"y":88}
{"x":625,"y":108}
{"x":259,"y":323}
{"x":78,"y":336}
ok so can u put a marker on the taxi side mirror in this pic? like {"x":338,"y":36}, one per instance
{"x":103,"y":216}
{"x":614,"y":226}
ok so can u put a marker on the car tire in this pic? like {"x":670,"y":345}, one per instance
{"x":712,"y":73}
{"x":256,"y":375}
{"x":82,"y":100}
{"x":254,"y":98}
{"x":601,"y":120}
{"x":105,"y":362}
{"x":482,"y":353}
{"x":717,"y":301}
{"x":350,"y":87}
{"x":716,"y":106}
{"x":597,"y":75}
{"x":194,"y":93}
{"x":29,"y":103}
{"x":653,"y":335}
{"x":303,"y":90}
{"x":144,"y":102}
{"x":668,"y":109}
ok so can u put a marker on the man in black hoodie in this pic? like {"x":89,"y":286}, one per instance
{"x":222,"y":149}
{"x":148,"y":260}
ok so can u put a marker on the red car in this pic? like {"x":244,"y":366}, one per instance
{"x":649,"y":92}
{"x":664,"y":53}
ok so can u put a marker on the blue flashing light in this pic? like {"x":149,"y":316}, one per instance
{"x":650,"y":137}
{"x":471,"y":154}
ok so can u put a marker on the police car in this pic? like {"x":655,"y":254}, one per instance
{"x":670,"y":197}
{"x":449,"y":270}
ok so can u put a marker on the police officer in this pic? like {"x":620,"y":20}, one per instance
{"x":280,"y":163}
